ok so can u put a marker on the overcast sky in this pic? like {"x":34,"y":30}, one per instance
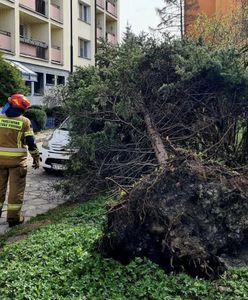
{"x":139,"y":13}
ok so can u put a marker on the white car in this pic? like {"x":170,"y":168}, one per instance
{"x":54,"y":150}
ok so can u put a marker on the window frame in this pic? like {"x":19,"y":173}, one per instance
{"x":86,"y":46}
{"x":84,"y":12}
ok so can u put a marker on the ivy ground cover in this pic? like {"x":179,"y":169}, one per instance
{"x":59,"y":260}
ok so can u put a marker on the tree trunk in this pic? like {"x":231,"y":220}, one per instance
{"x":157,"y":143}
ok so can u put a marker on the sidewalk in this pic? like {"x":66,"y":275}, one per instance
{"x":41,"y":136}
{"x":40,"y":195}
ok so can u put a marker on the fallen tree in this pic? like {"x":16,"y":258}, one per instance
{"x":188,"y":213}
{"x":183,"y":217}
{"x":142,"y":91}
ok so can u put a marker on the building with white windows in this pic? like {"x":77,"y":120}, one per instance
{"x":47,"y":39}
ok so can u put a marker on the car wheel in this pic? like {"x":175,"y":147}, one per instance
{"x":48,"y":170}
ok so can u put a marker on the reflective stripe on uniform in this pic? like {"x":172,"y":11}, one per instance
{"x":14,"y":207}
{"x":13,"y":152}
{"x":29,"y":133}
{"x":11,"y":124}
{"x":9,"y":154}
{"x":35,"y":152}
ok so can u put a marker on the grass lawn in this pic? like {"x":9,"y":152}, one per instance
{"x":55,"y":257}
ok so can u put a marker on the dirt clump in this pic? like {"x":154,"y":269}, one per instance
{"x":184,"y":218}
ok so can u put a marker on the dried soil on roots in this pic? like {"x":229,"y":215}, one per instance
{"x":183,"y":218}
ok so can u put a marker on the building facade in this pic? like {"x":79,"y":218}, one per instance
{"x":210,"y":7}
{"x":47,"y":39}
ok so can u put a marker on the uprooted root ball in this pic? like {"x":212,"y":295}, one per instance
{"x":182,"y":218}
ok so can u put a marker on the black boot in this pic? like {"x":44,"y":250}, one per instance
{"x":15,"y":222}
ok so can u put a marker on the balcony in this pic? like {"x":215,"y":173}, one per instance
{"x":111,"y":8}
{"x":33,"y":48}
{"x":56,"y":55}
{"x":36,"y":5}
{"x":111,"y":38}
{"x":99,"y":33}
{"x":55,"y":13}
{"x":5,"y":40}
{"x":100,"y":3}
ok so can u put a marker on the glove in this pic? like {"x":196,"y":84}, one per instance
{"x":36,"y":162}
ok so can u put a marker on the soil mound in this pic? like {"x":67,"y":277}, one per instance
{"x":183,"y":218}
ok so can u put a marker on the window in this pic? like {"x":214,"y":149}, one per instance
{"x":40,"y":6}
{"x":61,"y":80}
{"x":41,"y":52}
{"x":50,"y":79}
{"x":84,"y":48}
{"x":39,"y":85}
{"x":23,"y":30}
{"x":84,"y":12}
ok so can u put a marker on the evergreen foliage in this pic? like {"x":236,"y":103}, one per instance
{"x":10,"y":81}
{"x":194,"y":94}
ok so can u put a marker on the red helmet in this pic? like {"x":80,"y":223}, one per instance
{"x":20,"y":101}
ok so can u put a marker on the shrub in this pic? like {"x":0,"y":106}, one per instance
{"x":57,"y":112}
{"x":10,"y":81}
{"x":37,"y":117}
{"x":37,"y":107}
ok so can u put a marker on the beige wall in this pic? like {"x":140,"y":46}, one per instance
{"x":39,"y":28}
{"x":54,"y":33}
{"x":6,"y":23}
{"x":85,"y":31}
{"x":108,"y":22}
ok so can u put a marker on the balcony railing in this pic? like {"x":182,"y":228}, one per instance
{"x":56,"y":54}
{"x":100,"y":3}
{"x":36,"y":5}
{"x":28,"y":3}
{"x":55,"y":13}
{"x":5,"y":40}
{"x":33,"y":48}
{"x":99,"y":32}
{"x":111,"y":38}
{"x":111,"y":8}
{"x":33,"y":42}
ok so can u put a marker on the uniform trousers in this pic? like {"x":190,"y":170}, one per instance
{"x":15,"y":176}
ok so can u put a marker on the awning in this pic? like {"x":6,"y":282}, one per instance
{"x":27,"y":74}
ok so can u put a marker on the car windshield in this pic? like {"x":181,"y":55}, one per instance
{"x":66,"y":125}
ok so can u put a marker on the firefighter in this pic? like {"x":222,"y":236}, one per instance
{"x":16,"y":135}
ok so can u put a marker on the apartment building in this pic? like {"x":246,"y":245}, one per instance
{"x":210,"y":7}
{"x":107,"y":25}
{"x":47,"y":39}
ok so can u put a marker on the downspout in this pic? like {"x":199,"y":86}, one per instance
{"x":181,"y":18}
{"x":95,"y":31}
{"x":71,"y":46}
